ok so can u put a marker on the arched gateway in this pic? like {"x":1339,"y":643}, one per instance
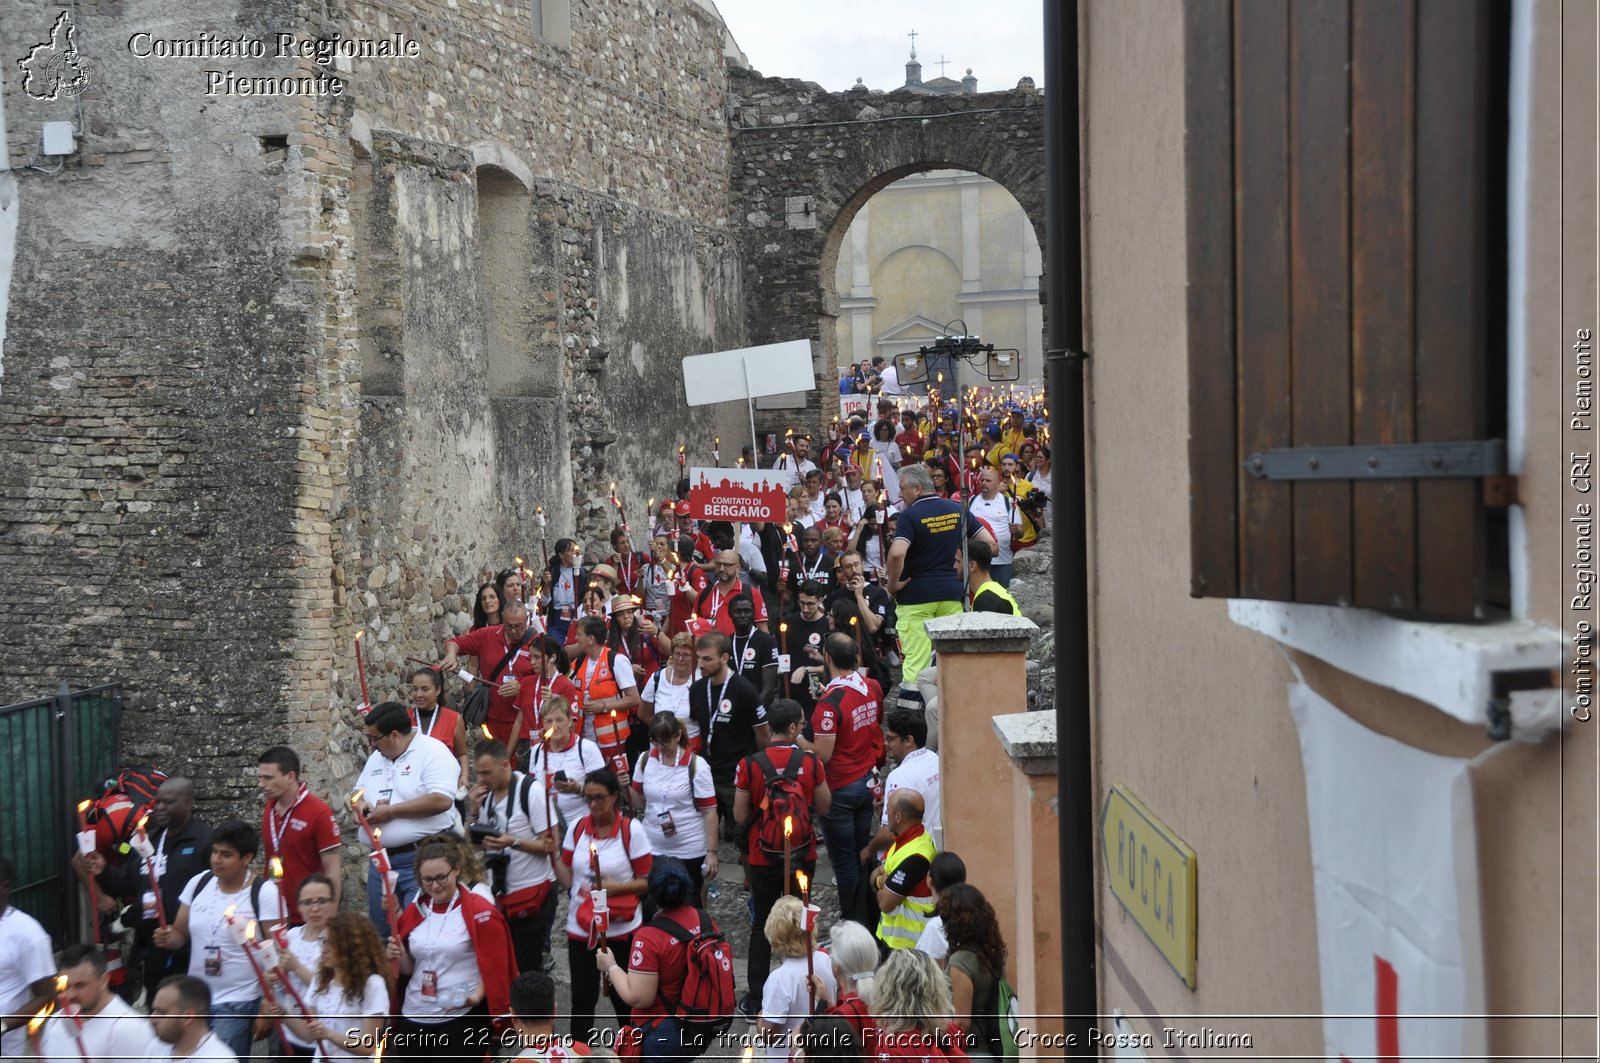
{"x":804,"y":162}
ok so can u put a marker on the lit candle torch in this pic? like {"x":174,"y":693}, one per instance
{"x":147,"y":853}
{"x":788,"y":846}
{"x":275,"y":869}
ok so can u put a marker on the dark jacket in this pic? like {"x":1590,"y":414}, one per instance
{"x":188,"y":853}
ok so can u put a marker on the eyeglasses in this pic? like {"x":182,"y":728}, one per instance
{"x":436,"y":880}
{"x":372,"y":739}
{"x":595,"y":799}
{"x":315,"y":902}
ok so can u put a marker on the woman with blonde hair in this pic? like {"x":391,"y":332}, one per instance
{"x":785,"y":1002}
{"x":349,"y":990}
{"x":854,"y":954}
{"x":911,"y":1010}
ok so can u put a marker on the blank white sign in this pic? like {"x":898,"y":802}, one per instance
{"x":775,"y":369}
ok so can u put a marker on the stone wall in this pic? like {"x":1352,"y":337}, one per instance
{"x":255,"y":392}
{"x":805,"y":160}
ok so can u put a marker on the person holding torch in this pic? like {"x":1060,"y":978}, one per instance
{"x":605,"y":864}
{"x":208,"y":907}
{"x":406,"y":792}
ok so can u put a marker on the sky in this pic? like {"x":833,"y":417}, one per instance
{"x":831,"y":43}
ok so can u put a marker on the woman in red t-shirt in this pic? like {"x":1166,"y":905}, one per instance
{"x":430,"y":716}
{"x":658,"y":963}
{"x":547,"y":676}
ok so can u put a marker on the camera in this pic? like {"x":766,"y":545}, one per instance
{"x":1033,"y":503}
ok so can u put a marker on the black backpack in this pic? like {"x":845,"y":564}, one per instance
{"x":785,"y":797}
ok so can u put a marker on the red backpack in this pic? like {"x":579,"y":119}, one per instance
{"x":707,"y":1004}
{"x":124,"y":800}
{"x":785,"y":798}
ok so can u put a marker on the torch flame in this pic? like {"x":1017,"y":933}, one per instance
{"x":227,"y":913}
{"x":377,"y":1056}
{"x":250,"y":930}
{"x":360,"y":633}
{"x":783,"y":625}
{"x":61,"y":983}
{"x":83,"y":806}
{"x":142,"y":821}
{"x":800,"y":877}
{"x":275,"y":866}
{"x":788,"y":826}
{"x":518,"y":560}
{"x":549,"y":733}
{"x":376,"y":834}
{"x":355,"y":798}
{"x":486,"y":732}
{"x":748,"y":1051}
{"x":38,"y":1020}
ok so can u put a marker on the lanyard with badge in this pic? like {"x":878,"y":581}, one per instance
{"x":429,"y":952}
{"x":715,"y":707}
{"x":664,"y":820}
{"x":276,"y":832}
{"x":219,"y":929}
{"x":740,"y":651}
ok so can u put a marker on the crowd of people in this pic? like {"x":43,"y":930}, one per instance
{"x":646,"y":708}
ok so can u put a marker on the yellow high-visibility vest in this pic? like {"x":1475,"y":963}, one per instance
{"x":900,"y":928}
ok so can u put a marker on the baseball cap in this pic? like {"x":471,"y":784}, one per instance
{"x":682,"y":508}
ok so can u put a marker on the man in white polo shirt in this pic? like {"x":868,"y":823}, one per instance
{"x":408,"y":790}
{"x":906,"y":736}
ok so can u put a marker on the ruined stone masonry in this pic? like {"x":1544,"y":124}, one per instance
{"x":279,"y":369}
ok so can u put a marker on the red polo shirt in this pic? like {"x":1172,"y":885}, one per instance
{"x":299,"y":838}
{"x":712,"y":605}
{"x":488,"y":645}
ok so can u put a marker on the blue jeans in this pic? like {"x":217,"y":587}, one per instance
{"x":232,"y":1024}
{"x":1001,"y":574}
{"x":663,"y":1043}
{"x":405,"y":888}
{"x":847,"y":828}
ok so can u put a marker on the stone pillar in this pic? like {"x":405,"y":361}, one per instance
{"x":1028,"y":741}
{"x":981,"y":675}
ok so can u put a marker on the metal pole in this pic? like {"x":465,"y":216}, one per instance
{"x":1064,"y":380}
{"x":66,"y":806}
{"x":961,"y":463}
{"x":750,"y":408}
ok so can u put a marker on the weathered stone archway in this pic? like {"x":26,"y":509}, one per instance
{"x":804,"y":162}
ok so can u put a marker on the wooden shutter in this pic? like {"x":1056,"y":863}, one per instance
{"x":1336,"y":155}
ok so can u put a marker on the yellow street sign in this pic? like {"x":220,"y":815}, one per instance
{"x":1152,"y":872}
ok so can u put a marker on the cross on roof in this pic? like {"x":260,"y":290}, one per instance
{"x":913,"y":36}
{"x":942,"y":62}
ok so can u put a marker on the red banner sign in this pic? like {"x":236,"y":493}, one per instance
{"x":737,"y":495}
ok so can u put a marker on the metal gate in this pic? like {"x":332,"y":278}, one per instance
{"x":59,"y":751}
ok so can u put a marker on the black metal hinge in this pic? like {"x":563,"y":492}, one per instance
{"x":1388,"y":461}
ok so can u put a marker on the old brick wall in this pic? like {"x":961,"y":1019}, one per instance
{"x":448,"y":472}
{"x":245,"y":409}
{"x":165,"y":422}
{"x":805,"y":160}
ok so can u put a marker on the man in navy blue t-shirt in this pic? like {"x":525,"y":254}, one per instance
{"x":923,"y":571}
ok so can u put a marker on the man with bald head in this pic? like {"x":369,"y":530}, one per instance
{"x":182,"y":844}
{"x":905,"y":896}
{"x":714,"y":602}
